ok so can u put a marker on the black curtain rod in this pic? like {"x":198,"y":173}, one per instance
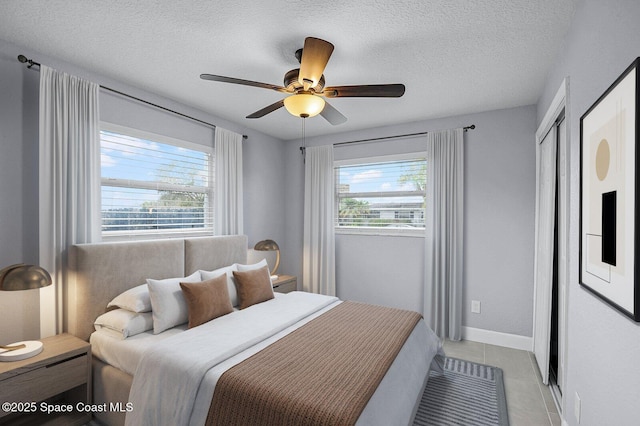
{"x":407,"y":135}
{"x":31,"y":63}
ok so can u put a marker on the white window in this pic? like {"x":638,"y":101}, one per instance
{"x":381,"y":195}
{"x":154,"y":186}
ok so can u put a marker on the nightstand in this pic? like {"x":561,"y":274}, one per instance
{"x":58,"y":378}
{"x":285,"y":284}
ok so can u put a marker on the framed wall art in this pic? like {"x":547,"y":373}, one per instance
{"x":609,"y":195}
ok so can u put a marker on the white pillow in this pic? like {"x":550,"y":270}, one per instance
{"x":167,"y":302}
{"x":245,"y":268}
{"x":231,"y":283}
{"x":135,"y":299}
{"x":251,"y":267}
{"x":125,"y":323}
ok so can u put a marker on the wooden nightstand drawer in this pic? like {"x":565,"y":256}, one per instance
{"x":45,"y":382}
{"x":285,"y":284}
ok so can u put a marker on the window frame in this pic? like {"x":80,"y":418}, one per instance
{"x":418,"y":232}
{"x":157,"y":185}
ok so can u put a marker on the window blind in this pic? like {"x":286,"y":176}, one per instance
{"x":386,"y":194}
{"x":151,"y":187}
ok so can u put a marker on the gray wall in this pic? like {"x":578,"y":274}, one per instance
{"x":264,"y":197}
{"x":499,"y":222}
{"x":603,"y":345}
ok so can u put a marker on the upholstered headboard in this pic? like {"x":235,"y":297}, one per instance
{"x":101,"y":271}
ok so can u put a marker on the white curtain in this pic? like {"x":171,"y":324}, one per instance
{"x":228,"y":196}
{"x":318,"y":257}
{"x":444,"y":233}
{"x":69,"y":180}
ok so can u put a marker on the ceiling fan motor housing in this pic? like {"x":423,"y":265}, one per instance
{"x":292,"y":84}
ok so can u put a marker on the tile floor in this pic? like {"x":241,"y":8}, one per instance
{"x":529,"y":401}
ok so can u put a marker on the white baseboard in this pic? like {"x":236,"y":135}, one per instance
{"x":497,"y":338}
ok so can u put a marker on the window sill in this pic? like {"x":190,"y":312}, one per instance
{"x":114,"y":236}
{"x":382,"y":232}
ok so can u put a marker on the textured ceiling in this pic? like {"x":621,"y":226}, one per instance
{"x":454,"y":56}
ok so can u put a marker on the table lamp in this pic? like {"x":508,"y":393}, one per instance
{"x":269,"y":245}
{"x":22,"y":277}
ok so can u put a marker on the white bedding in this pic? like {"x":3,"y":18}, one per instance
{"x":125,"y":354}
{"x":181,"y":396}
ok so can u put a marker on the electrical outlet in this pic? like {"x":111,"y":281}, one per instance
{"x":576,"y":407}
{"x":475,"y":306}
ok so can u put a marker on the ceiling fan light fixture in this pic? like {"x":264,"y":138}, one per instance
{"x":304,"y":105}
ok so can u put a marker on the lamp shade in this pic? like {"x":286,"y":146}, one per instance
{"x":269,"y":245}
{"x":23,"y":277}
{"x":266,"y":245}
{"x":304,"y":104}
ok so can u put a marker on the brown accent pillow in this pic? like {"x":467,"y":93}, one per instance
{"x":207,"y":300}
{"x":253,"y":286}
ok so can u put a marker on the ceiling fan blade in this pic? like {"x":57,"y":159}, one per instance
{"x":224,"y":79}
{"x":365,"y":91}
{"x":332,"y":115}
{"x":268,"y":109}
{"x":315,"y":55}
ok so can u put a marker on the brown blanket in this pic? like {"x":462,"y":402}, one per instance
{"x":323,"y":373}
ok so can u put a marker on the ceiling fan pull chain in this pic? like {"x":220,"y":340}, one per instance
{"x":304,"y":140}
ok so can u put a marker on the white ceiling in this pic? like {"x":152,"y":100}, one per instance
{"x":454,"y":56}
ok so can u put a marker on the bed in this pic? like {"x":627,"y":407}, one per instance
{"x":165,"y":378}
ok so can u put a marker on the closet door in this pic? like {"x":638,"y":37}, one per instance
{"x":544,"y":251}
{"x":563,"y":241}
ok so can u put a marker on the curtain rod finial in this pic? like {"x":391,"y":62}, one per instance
{"x":24,"y":60}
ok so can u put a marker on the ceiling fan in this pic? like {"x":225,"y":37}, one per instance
{"x":306,"y":86}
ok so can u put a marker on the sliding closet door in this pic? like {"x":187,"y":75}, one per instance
{"x":563,"y":240}
{"x":544,"y":251}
